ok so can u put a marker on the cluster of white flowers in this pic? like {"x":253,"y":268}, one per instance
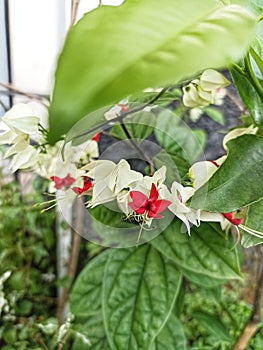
{"x":24,"y":127}
{"x":77,"y":172}
{"x":209,"y":89}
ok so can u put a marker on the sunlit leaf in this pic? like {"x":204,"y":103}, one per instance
{"x":113,"y":52}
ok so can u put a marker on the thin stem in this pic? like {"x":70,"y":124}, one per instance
{"x":74,"y":11}
{"x":253,"y":324}
{"x":141,"y":229}
{"x":123,"y":115}
{"x":138,"y":149}
{"x":27,"y":94}
{"x":41,"y":342}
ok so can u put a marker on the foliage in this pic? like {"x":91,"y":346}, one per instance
{"x":176,"y":221}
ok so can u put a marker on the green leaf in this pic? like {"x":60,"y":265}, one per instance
{"x":237,"y":182}
{"x":249,"y":96}
{"x":171,"y":337}
{"x":86,"y":304}
{"x":113,"y":52}
{"x":213,"y":325}
{"x":140,"y":288}
{"x":215,"y":115}
{"x":177,"y":138}
{"x":206,"y":251}
{"x":254,"y":222}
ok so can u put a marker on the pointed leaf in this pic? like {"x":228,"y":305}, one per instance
{"x":140,"y":289}
{"x":113,"y":52}
{"x":249,"y":95}
{"x":237,"y":182}
{"x":206,"y":251}
{"x":86,"y":304}
{"x":213,"y":325}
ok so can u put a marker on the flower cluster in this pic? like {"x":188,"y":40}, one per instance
{"x":24,"y":128}
{"x":77,"y":171}
{"x":209,"y":89}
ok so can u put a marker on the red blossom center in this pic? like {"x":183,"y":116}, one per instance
{"x":61,"y":182}
{"x":234,"y":221}
{"x":87,"y":183}
{"x":151,"y":206}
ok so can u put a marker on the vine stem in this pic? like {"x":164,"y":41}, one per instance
{"x":253,"y":324}
{"x":17,"y":91}
{"x":74,"y":11}
{"x":123,"y":115}
{"x":138,"y":149}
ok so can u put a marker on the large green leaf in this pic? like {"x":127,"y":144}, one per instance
{"x":86,"y":304}
{"x":116,"y":51}
{"x":171,"y":337}
{"x":140,"y":288}
{"x":206,"y":251}
{"x":238,"y":181}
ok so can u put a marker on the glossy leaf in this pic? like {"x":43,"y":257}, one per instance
{"x":253,"y":221}
{"x":236,"y":183}
{"x":206,"y":251}
{"x":140,"y":288}
{"x":86,"y":304}
{"x":249,"y":96}
{"x":171,"y":337}
{"x":113,"y":52}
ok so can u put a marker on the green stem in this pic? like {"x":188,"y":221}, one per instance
{"x":251,"y":76}
{"x":141,"y":229}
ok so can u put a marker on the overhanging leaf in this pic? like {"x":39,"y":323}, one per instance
{"x":206,"y":251}
{"x":113,"y":52}
{"x":237,"y":183}
{"x":140,"y":287}
{"x":86,"y":304}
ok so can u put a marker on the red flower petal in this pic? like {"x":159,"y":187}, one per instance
{"x":61,"y":182}
{"x":96,"y":137}
{"x":234,"y":221}
{"x":139,"y":199}
{"x":153,"y":194}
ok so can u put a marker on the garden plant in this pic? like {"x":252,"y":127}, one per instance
{"x":164,"y":225}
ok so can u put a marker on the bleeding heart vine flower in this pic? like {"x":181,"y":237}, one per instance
{"x":87,"y":184}
{"x":151,"y":207}
{"x":62,"y":182}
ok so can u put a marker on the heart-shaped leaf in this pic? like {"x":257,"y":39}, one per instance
{"x":140,"y":288}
